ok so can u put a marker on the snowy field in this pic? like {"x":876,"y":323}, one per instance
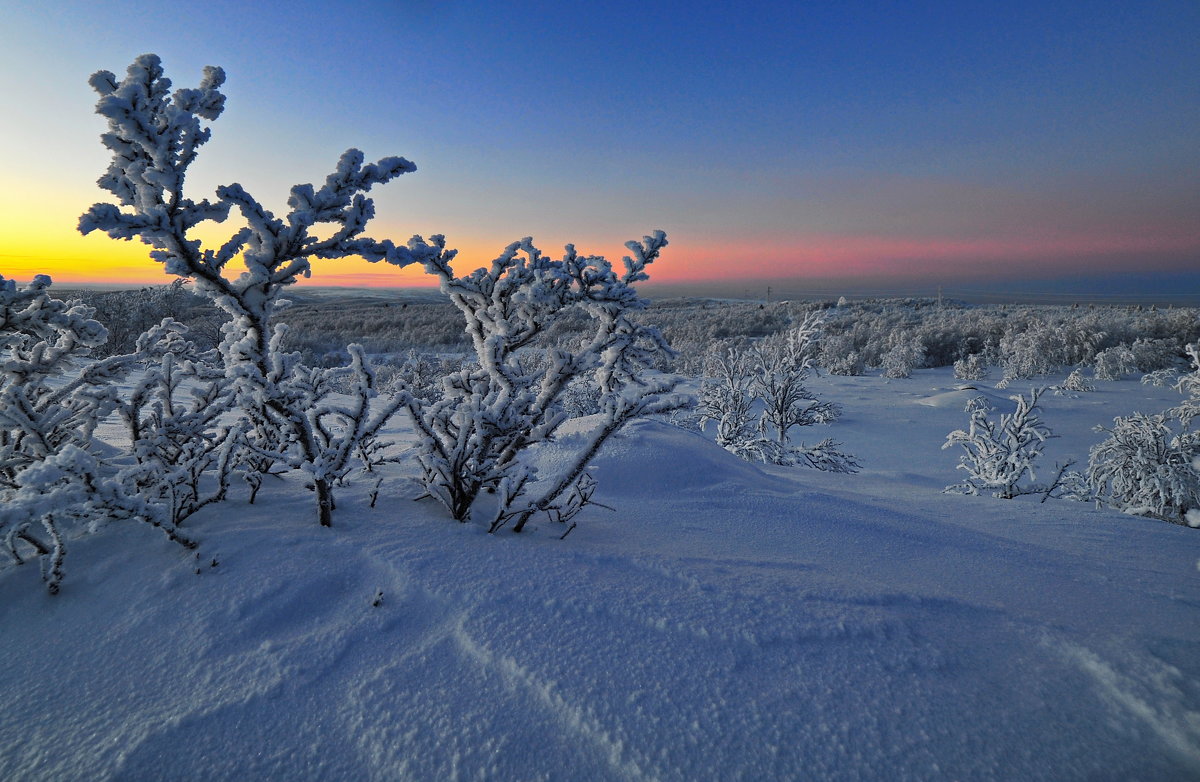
{"x":726,"y":621}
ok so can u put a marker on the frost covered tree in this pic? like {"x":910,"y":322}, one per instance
{"x":780,"y":367}
{"x":1000,"y":455}
{"x":726,"y":398}
{"x":472,"y":439}
{"x":154,"y":136}
{"x":52,"y":396}
{"x":906,"y":354}
{"x":772,"y":375}
{"x":1149,"y":465}
{"x":1075,"y":382}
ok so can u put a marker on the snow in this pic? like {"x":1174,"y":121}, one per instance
{"x":726,"y":621}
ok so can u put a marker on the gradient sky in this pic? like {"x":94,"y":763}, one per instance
{"x":971,"y":143}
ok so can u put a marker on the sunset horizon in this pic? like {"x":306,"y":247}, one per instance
{"x":871,"y":145}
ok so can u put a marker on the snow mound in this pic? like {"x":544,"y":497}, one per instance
{"x":957,"y":398}
{"x":654,"y":458}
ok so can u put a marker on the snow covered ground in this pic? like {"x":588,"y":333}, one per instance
{"x":724,"y":622}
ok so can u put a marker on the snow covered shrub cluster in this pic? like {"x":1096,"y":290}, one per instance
{"x":172,"y":416}
{"x":1149,"y":465}
{"x":1030,"y":353}
{"x":999,"y":455}
{"x":771,"y":376}
{"x":471,"y":440}
{"x":839,"y":358}
{"x":473,"y":427}
{"x":906,"y":354}
{"x":1023,"y":340}
{"x":52,"y":397}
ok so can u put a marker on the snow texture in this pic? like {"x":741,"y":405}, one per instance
{"x":727,"y":621}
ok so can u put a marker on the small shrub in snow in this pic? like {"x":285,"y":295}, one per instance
{"x":1161,"y":378}
{"x":1152,"y":355}
{"x":419,"y":373}
{"x":1030,"y":353}
{"x":1189,"y":385}
{"x":1149,"y":465}
{"x":839,"y":357}
{"x":972,"y":367}
{"x":288,"y":413}
{"x":725,"y":396}
{"x":999,"y":456}
{"x":779,"y":368}
{"x":172,"y":416}
{"x":978,"y":403}
{"x":1115,"y":363}
{"x":1075,"y":383}
{"x":772,"y":373}
{"x":583,"y":396}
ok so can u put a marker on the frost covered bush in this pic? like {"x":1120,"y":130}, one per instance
{"x":839,"y":357}
{"x":1029,"y":353}
{"x":1152,"y":355}
{"x":583,"y":396}
{"x":1115,"y":363}
{"x":418,"y":373}
{"x":173,"y":418}
{"x":972,"y":367}
{"x":288,"y":413}
{"x":51,"y":399}
{"x":999,"y":455}
{"x":771,"y":374}
{"x":726,"y":398}
{"x":472,"y":440}
{"x":903,"y":357}
{"x":1075,"y":383}
{"x":1149,"y":465}
{"x":780,"y":367}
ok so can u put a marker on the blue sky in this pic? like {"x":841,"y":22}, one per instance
{"x":987,"y":143}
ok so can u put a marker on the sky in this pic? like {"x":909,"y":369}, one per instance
{"x":881,"y":145}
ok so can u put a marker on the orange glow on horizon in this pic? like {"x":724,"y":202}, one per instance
{"x":37,"y":240}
